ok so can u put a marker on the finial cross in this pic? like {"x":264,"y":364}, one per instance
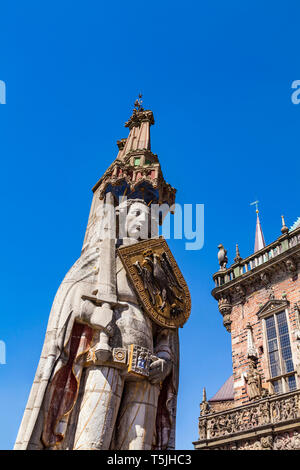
{"x":138,"y":103}
{"x":256,"y":205}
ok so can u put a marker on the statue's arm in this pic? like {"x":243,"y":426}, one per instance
{"x":161,"y":368}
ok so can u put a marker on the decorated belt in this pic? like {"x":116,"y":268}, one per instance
{"x":136,"y":358}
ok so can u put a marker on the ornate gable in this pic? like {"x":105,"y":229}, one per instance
{"x":272,"y":306}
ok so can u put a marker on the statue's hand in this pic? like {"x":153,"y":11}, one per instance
{"x":87,"y":310}
{"x":98,"y":356}
{"x":98,"y":317}
{"x":159,"y":370}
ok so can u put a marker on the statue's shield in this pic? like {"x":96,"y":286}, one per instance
{"x":157,"y":281}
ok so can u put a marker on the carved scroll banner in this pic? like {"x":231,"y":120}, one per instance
{"x":157,"y":281}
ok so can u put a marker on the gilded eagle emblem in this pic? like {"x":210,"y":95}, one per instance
{"x":157,"y":281}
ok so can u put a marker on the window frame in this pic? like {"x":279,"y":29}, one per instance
{"x":283,"y":377}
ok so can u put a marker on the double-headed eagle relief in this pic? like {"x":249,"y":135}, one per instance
{"x":158,"y":281}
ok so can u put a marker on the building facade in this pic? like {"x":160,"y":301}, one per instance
{"x":259,"y":299}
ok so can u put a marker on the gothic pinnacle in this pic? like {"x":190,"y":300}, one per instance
{"x":237,"y":254}
{"x":284,"y":228}
{"x":259,"y":237}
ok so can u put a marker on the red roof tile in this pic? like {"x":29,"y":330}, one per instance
{"x":226,"y":391}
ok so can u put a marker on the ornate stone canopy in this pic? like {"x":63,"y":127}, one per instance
{"x":136,"y":171}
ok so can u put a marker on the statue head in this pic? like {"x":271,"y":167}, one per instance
{"x":135,"y":220}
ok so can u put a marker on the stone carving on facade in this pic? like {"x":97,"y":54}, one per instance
{"x":202,"y":431}
{"x":273,"y":305}
{"x":270,"y":410}
{"x":246,"y":444}
{"x":263,"y":413}
{"x":251,"y":350}
{"x":253,"y":380}
{"x":241,"y":293}
{"x":265,"y":278}
{"x":204,"y":405}
{"x":291,"y":266}
{"x":272,"y":294}
{"x":249,"y":445}
{"x":266,"y":443}
{"x":287,"y":441}
{"x":282,"y":410}
{"x":225,"y":309}
{"x":222,"y":257}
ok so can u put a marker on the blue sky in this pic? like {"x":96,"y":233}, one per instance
{"x":217,"y":76}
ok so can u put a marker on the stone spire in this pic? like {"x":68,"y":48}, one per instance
{"x":136,"y":171}
{"x":259,"y":236}
{"x":204,"y":405}
{"x":238,"y":257}
{"x":134,"y":174}
{"x":284,"y":228}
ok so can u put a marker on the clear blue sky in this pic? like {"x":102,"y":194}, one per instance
{"x":217,"y":76}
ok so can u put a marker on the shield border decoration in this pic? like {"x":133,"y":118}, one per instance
{"x":128,"y":254}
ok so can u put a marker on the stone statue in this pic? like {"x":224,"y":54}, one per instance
{"x":85,"y":396}
{"x":204,"y":405}
{"x":253,"y":379}
{"x":222,"y":257}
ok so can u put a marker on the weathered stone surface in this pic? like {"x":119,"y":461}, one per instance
{"x":83,"y":396}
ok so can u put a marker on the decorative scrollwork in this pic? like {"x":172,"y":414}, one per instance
{"x":270,"y":410}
